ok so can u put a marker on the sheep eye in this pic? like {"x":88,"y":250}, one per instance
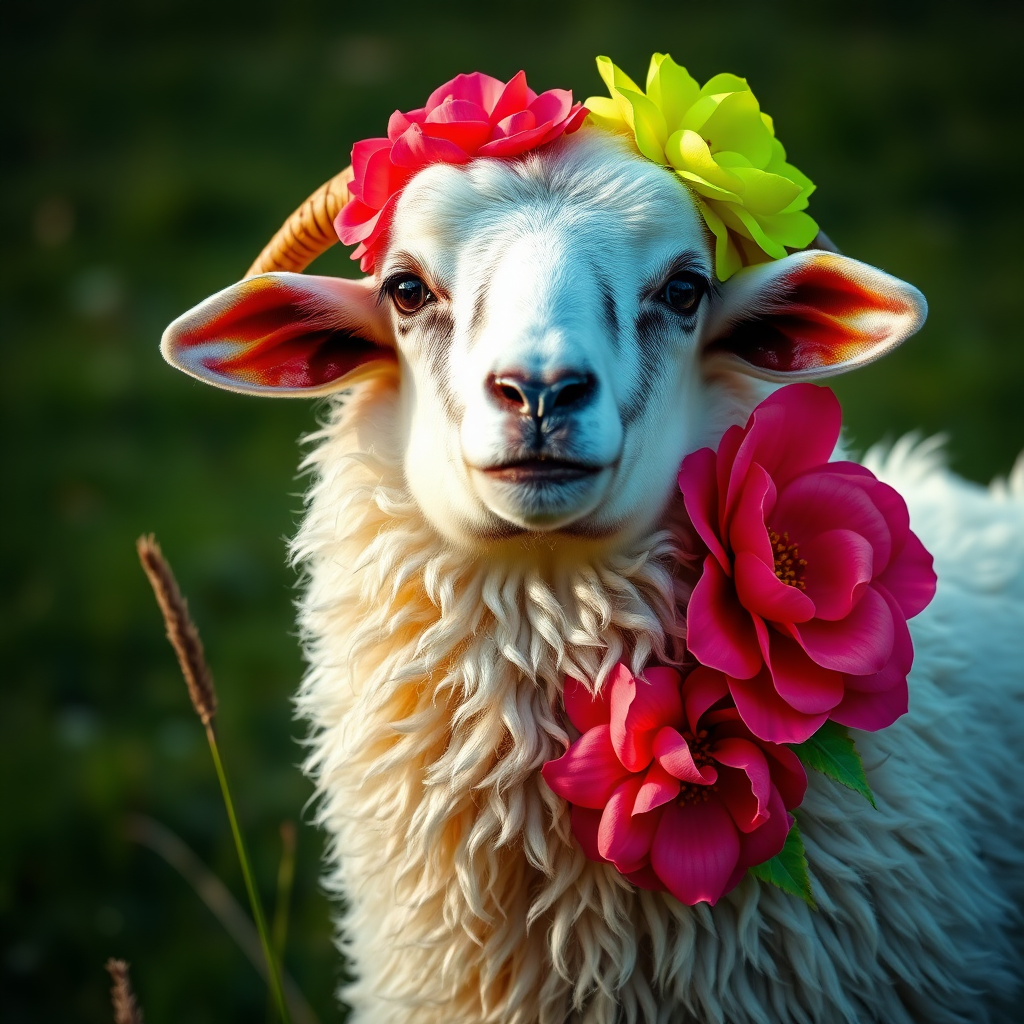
{"x":683,"y":292}
{"x":409,"y":293}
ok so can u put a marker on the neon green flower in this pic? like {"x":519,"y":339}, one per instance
{"x":723,"y":147}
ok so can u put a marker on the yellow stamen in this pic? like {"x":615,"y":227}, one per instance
{"x":789,"y":566}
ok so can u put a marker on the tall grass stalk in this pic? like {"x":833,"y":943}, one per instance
{"x":285,"y":880}
{"x":184,"y":638}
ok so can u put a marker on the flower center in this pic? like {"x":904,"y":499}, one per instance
{"x":789,"y":566}
{"x":700,"y":751}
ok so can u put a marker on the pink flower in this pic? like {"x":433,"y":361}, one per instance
{"x":812,"y":573}
{"x":670,"y":786}
{"x":472,"y":115}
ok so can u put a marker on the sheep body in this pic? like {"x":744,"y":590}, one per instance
{"x":432,"y":698}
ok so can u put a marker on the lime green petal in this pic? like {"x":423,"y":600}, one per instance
{"x":687,"y":151}
{"x":652,"y":69}
{"x":793,"y":230}
{"x":648,"y":124}
{"x":777,"y":165}
{"x":727,"y":212}
{"x":724,"y":83}
{"x":736,"y":125}
{"x":766,"y":194}
{"x":727,"y":256}
{"x":726,"y":159}
{"x":751,"y":252}
{"x":745,"y":223}
{"x":768,"y":123}
{"x":693,"y":120}
{"x":613,"y":77}
{"x":605,"y":113}
{"x":671,"y":88}
{"x":707,"y":190}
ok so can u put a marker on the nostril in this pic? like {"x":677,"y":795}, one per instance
{"x":510,"y":392}
{"x":574,"y":391}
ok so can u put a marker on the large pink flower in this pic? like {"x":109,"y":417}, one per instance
{"x":668,"y":784}
{"x":812,"y":573}
{"x":472,"y":115}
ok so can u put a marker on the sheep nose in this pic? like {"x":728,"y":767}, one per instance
{"x":542,"y":398}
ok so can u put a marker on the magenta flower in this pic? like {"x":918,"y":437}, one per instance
{"x":668,"y":785}
{"x":472,"y":115}
{"x":812,"y":573}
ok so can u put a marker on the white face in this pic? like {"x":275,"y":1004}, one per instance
{"x":546,"y":315}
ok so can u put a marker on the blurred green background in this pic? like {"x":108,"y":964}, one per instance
{"x":149,"y":150}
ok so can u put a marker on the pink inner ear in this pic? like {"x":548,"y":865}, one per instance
{"x":271,"y":335}
{"x":826,"y":317}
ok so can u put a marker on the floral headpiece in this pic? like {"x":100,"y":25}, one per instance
{"x":714,"y":137}
{"x":472,"y":115}
{"x":723,"y":147}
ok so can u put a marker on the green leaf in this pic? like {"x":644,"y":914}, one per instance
{"x":831,"y":751}
{"x":788,"y":869}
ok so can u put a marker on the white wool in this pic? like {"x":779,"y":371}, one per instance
{"x":434,"y":699}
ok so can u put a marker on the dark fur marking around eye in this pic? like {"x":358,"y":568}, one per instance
{"x":476,"y":320}
{"x":654,"y":338}
{"x":437,"y":328}
{"x":609,"y":310}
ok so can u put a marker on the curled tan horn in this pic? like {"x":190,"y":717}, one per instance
{"x":308,"y":232}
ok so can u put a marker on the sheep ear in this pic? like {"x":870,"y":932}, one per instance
{"x":812,"y":314}
{"x":288,"y":335}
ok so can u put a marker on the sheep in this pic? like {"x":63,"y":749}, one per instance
{"x":493,"y":506}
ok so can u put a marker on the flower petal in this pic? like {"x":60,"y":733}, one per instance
{"x":625,"y":838}
{"x":515,"y":144}
{"x":588,"y":772}
{"x":767,"y":715}
{"x":658,"y":788}
{"x":768,"y":839}
{"x":696,"y":849}
{"x":719,"y":631}
{"x":639,"y":708}
{"x":760,"y":591}
{"x":704,"y":687}
{"x":872,"y":711}
{"x":789,"y":432}
{"x":415,"y":149}
{"x":699,"y":485}
{"x":476,"y":87}
{"x":645,"y":878}
{"x":800,"y":682}
{"x":898,"y":665}
{"x":839,"y":565}
{"x":552,"y":106}
{"x":747,"y":515}
{"x":748,"y":758}
{"x":586,"y":711}
{"x":859,"y":644}
{"x":816,"y":502}
{"x":674,"y":755}
{"x":910,"y":577}
{"x":585,"y":823}
{"x":513,"y":97}
{"x":788,"y":774}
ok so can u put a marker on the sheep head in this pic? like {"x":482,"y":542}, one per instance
{"x":554,"y":334}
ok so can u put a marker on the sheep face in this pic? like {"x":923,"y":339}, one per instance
{"x":555,"y":335}
{"x":546,"y":316}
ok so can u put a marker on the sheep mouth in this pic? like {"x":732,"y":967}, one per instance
{"x":539,"y":470}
